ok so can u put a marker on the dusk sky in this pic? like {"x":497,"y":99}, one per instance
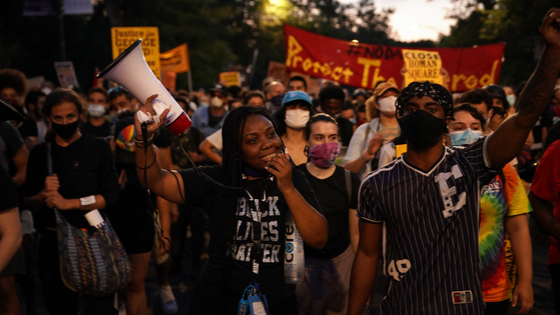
{"x":416,"y":19}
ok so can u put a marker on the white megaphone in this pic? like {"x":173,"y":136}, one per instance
{"x":132,"y":72}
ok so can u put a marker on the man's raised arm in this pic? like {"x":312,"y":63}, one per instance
{"x":506,"y":142}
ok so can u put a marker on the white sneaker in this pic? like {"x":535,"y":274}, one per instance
{"x":168,"y":300}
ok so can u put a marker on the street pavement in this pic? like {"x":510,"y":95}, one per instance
{"x":184,"y":283}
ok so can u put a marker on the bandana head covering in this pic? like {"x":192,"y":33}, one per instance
{"x":432,"y":90}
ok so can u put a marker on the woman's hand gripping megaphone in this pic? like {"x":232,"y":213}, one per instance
{"x":155,"y":120}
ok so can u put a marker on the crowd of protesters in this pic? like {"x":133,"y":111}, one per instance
{"x":435,"y":187}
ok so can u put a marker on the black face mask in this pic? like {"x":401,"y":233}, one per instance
{"x":254,"y":172}
{"x":422,"y":129}
{"x":66,"y":131}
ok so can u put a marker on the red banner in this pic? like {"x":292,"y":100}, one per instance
{"x":363,"y":65}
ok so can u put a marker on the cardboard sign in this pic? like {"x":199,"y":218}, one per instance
{"x":175,"y":60}
{"x":230,"y":78}
{"x":66,"y":74}
{"x":422,"y":65}
{"x":363,"y":65}
{"x":123,"y":37}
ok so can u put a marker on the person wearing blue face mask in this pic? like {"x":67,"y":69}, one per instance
{"x":97,"y":124}
{"x":503,"y":208}
{"x":469,"y":125}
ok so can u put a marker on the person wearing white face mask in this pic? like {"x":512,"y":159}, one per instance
{"x":97,"y":124}
{"x":210,"y":119}
{"x":382,"y":128}
{"x":291,"y":120}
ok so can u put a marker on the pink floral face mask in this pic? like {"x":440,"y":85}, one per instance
{"x":323,"y":155}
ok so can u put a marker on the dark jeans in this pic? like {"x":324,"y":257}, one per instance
{"x":58,"y":298}
{"x":555,"y":274}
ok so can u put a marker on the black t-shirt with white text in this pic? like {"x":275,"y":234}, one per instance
{"x":201,"y":192}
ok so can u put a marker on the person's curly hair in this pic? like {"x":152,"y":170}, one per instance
{"x":466,"y":107}
{"x":477,"y":96}
{"x":15,"y":79}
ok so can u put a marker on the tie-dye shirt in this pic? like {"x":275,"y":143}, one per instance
{"x":497,"y":203}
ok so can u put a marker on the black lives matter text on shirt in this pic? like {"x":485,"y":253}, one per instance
{"x":200,"y":192}
{"x":269,"y":229}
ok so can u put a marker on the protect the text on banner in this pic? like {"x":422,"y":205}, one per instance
{"x":363,"y":65}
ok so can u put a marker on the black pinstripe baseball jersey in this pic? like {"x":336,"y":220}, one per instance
{"x":430,"y":235}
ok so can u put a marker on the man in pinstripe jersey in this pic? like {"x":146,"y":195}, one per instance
{"x":424,"y":207}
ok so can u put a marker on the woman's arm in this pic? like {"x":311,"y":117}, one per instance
{"x":311,"y":224}
{"x":164,"y":209}
{"x":358,"y":164}
{"x":354,"y":222}
{"x":364,"y":269}
{"x":10,"y":235}
{"x":207,"y":149}
{"x":160,"y":182}
{"x":518,"y":231}
{"x":20,"y":162}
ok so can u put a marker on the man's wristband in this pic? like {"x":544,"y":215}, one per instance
{"x":86,"y":201}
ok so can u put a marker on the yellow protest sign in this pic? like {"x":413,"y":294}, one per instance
{"x":401,"y":149}
{"x":123,"y":37}
{"x":175,"y":60}
{"x":230,"y":78}
{"x":422,"y":65}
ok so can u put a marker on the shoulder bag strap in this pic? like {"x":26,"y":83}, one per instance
{"x":347,"y":174}
{"x":57,"y":213}
{"x":49,"y":159}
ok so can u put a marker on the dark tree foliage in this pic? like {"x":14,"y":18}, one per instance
{"x":220,"y":33}
{"x":514,"y":22}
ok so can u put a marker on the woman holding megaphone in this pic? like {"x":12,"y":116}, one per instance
{"x":246,"y":199}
